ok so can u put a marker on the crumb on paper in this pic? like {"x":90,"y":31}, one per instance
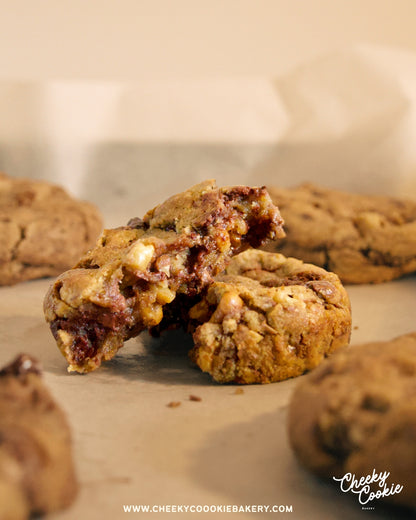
{"x":239,"y":391}
{"x":355,"y":327}
{"x":195,"y":398}
{"x":174,"y":404}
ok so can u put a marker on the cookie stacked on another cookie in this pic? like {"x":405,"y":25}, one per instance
{"x":123,"y":285}
{"x":362,"y":238}
{"x":43,"y":230}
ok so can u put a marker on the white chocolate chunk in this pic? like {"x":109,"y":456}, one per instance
{"x":139,"y":256}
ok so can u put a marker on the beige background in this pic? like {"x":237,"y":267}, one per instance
{"x":136,"y":39}
{"x":112,"y":143}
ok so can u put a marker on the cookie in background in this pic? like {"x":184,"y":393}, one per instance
{"x":37,"y":472}
{"x":356,"y":415}
{"x":361,"y":238}
{"x":43,"y":230}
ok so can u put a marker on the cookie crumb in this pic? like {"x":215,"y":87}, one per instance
{"x":195,"y":398}
{"x":239,"y":391}
{"x":355,"y":327}
{"x":174,"y":404}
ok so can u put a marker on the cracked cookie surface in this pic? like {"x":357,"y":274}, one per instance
{"x":121,"y":286}
{"x":357,"y":412}
{"x":269,"y":318}
{"x":36,"y":469}
{"x":43,"y":231}
{"x":362,"y":238}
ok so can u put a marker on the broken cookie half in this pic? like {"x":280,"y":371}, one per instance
{"x":269,"y":318}
{"x":36,"y":469}
{"x":124,"y":284}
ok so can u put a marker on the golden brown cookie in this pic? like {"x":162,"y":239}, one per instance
{"x":357,"y":413}
{"x":121,"y":286}
{"x":36,"y":469}
{"x":362,"y":238}
{"x":43,"y":231}
{"x":269,"y":318}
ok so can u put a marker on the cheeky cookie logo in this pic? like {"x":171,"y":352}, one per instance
{"x":368,"y":487}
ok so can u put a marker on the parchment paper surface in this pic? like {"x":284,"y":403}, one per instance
{"x":348,"y":121}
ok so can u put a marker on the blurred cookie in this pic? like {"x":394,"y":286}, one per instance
{"x":43,"y":231}
{"x":362,"y":238}
{"x":36,"y":468}
{"x":269,"y":318}
{"x":357,"y":413}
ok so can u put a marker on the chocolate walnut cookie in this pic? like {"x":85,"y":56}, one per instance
{"x":36,"y":469}
{"x":269,"y":318}
{"x":362,"y":238}
{"x":43,"y":231}
{"x":356,"y":413}
{"x":121,"y":286}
